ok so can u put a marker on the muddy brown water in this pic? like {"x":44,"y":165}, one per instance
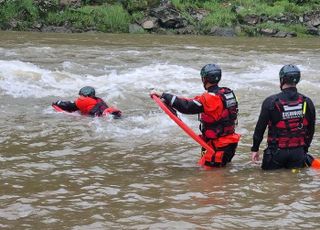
{"x":71,"y":172}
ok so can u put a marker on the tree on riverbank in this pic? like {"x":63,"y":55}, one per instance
{"x":280,"y":18}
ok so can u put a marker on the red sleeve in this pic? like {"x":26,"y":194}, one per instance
{"x":212,"y":104}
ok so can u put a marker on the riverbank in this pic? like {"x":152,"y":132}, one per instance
{"x":284,"y":18}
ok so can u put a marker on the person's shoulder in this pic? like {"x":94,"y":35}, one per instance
{"x":98,"y":99}
{"x":307,"y":99}
{"x":272,"y":98}
{"x":304,"y":96}
{"x":208,"y":96}
{"x":225,"y":88}
{"x":269,"y":102}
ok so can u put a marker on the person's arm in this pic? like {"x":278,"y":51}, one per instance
{"x":102,"y":107}
{"x":311,"y":117}
{"x":114,"y":111}
{"x":261,"y":125}
{"x":68,"y":106}
{"x":183,"y":105}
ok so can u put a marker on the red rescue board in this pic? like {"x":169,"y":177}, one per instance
{"x":106,"y":112}
{"x":182,"y":125}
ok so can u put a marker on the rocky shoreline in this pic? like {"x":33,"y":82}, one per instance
{"x":165,"y":18}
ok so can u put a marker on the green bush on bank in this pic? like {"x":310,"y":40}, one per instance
{"x":184,"y":5}
{"x":139,"y":5}
{"x":299,"y":29}
{"x":107,"y":18}
{"x":255,"y":30}
{"x":137,"y":16}
{"x":99,"y":2}
{"x":277,"y":8}
{"x":226,"y":9}
{"x":228,"y":13}
{"x":220,"y":15}
{"x":23,"y":13}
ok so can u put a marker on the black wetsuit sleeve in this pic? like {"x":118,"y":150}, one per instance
{"x":261,"y":125}
{"x":311,"y":117}
{"x":187,"y":106}
{"x":68,"y":106}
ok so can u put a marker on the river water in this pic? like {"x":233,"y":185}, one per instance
{"x":72,"y":172}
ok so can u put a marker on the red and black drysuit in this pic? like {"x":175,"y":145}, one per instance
{"x":290,"y":117}
{"x":90,"y":106}
{"x":217,"y":125}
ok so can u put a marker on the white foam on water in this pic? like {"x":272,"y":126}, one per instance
{"x":192,"y":47}
{"x":24,"y":79}
{"x":160,"y":76}
{"x":135,"y":128}
{"x":254,"y":76}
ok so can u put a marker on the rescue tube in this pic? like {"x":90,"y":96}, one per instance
{"x":181,"y":124}
{"x":315,"y":164}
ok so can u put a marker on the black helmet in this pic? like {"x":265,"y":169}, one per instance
{"x":210,"y":73}
{"x":87,"y":91}
{"x":289,"y":74}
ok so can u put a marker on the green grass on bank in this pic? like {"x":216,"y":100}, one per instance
{"x":299,"y":29}
{"x":220,"y":15}
{"x":226,"y":9}
{"x":112,"y":18}
{"x":23,"y":14}
{"x":116,"y":15}
{"x":228,"y":13}
{"x":276,"y":8}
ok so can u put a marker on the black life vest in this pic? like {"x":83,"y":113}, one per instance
{"x":227,"y":120}
{"x":290,"y":130}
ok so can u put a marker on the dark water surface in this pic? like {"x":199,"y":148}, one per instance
{"x":71,"y":172}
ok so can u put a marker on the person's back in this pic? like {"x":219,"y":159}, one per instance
{"x":88,"y":104}
{"x":218,"y":123}
{"x":290,"y":117}
{"x":217,"y":109}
